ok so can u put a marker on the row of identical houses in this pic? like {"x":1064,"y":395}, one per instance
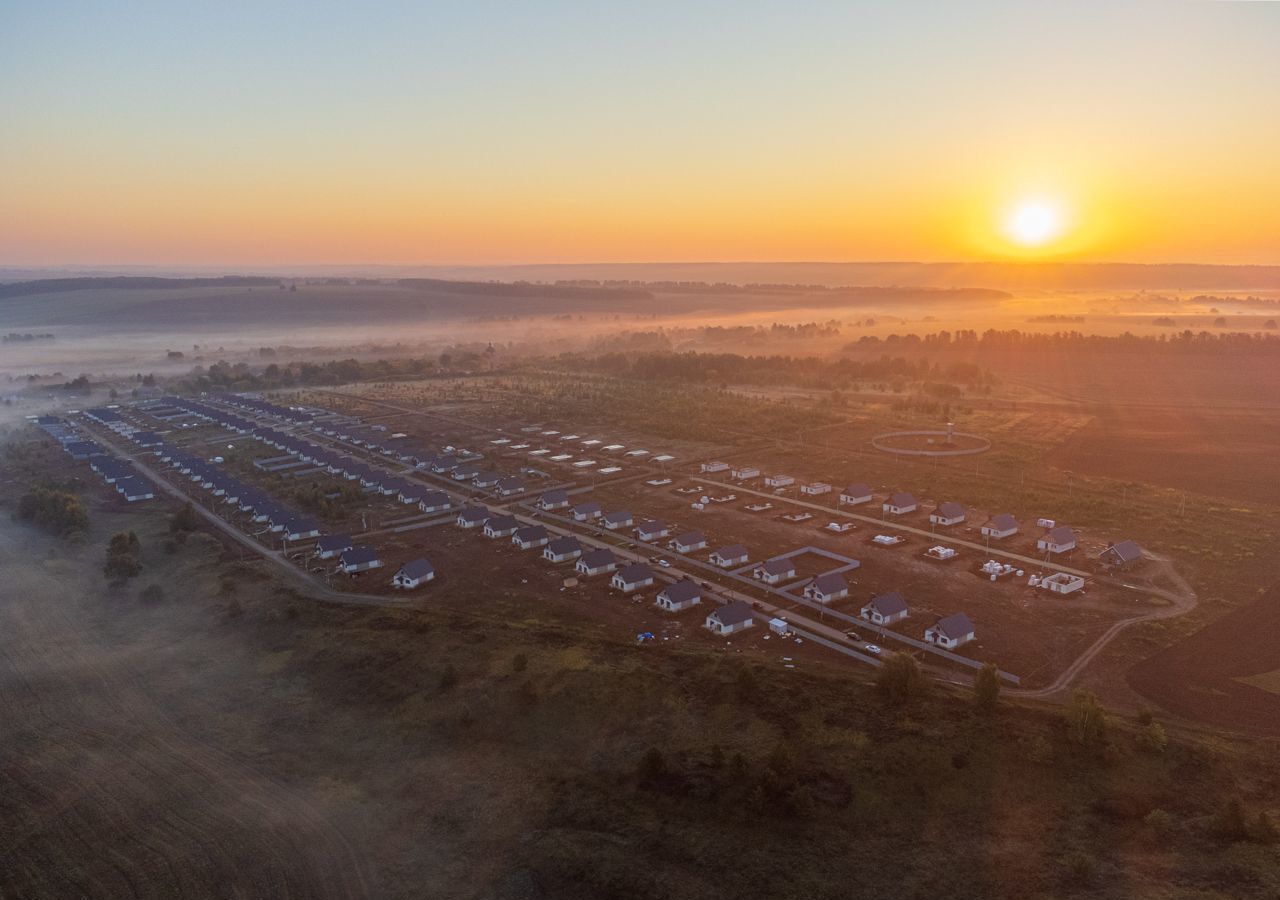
{"x":120,"y":474}
{"x":279,"y":519}
{"x":1055,"y":539}
{"x":949,"y":632}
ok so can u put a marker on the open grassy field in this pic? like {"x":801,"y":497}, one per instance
{"x":1219,"y":545}
{"x":234,"y":735}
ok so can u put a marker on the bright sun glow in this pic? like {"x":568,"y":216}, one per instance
{"x":1034,"y":223}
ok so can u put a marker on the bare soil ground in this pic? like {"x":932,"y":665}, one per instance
{"x":1203,"y":677}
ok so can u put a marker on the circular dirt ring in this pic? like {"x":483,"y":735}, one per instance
{"x":930,"y":443}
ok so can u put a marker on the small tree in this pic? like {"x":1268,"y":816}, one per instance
{"x":900,"y":679}
{"x":986,"y":688}
{"x":184,"y":519}
{"x":1086,"y":719}
{"x":122,"y":556}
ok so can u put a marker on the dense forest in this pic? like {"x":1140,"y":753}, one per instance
{"x":1013,"y":339}
{"x":128,"y":282}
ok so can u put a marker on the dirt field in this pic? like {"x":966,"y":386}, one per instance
{"x":1220,"y":452}
{"x":1203,"y":677}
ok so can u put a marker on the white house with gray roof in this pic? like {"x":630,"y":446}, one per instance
{"x":776,"y":570}
{"x":597,"y":562}
{"x":632,"y":578}
{"x":885,"y":609}
{"x":1000,"y":526}
{"x":730,"y":618}
{"x":678,"y":596}
{"x":827,"y":587}
{"x":732,"y":555}
{"x":1060,"y":539}
{"x":562,"y":549}
{"x":412,"y":574}
{"x":616,"y":520}
{"x":951,"y":631}
{"x":900,"y":503}
{"x":688,"y":542}
{"x":948,"y":513}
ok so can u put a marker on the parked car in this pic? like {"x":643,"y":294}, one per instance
{"x":872,"y":649}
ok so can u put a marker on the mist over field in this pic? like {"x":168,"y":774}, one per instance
{"x":579,"y":451}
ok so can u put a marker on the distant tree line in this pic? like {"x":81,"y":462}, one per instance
{"x":127,"y":282}
{"x":799,"y":371}
{"x":1014,"y":340}
{"x":527,"y":289}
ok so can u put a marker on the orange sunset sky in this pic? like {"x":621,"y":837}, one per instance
{"x":260,"y":133}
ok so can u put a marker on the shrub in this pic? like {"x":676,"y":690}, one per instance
{"x":56,"y":512}
{"x":152,"y":593}
{"x":519,"y":663}
{"x":185,"y":519}
{"x":1086,"y":719}
{"x":900,"y":679}
{"x":1152,"y":738}
{"x":986,"y":688}
{"x":122,"y":556}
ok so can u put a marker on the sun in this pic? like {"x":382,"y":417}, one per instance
{"x":1034,"y":223}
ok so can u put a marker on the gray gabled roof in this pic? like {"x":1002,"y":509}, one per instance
{"x":354,"y":556}
{"x":690,"y":537}
{"x":733,"y":613}
{"x":635,"y":573}
{"x":620,"y":516}
{"x":554,"y":497}
{"x":418,"y":568}
{"x":652,"y":526}
{"x":331,"y":543}
{"x":589,"y":507}
{"x":953,"y":626}
{"x":902,"y":498}
{"x":779,"y":565}
{"x":501,"y":523}
{"x":889,"y":604}
{"x":1061,"y":535}
{"x":1003,"y":522}
{"x":860,"y":489}
{"x":598,"y":558}
{"x":1125,"y":551}
{"x":950,"y":510}
{"x":566,"y":544}
{"x":682,"y":591}
{"x":530,"y":533}
{"x":473,"y":514}
{"x":830,"y":583}
{"x":733,"y":551}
